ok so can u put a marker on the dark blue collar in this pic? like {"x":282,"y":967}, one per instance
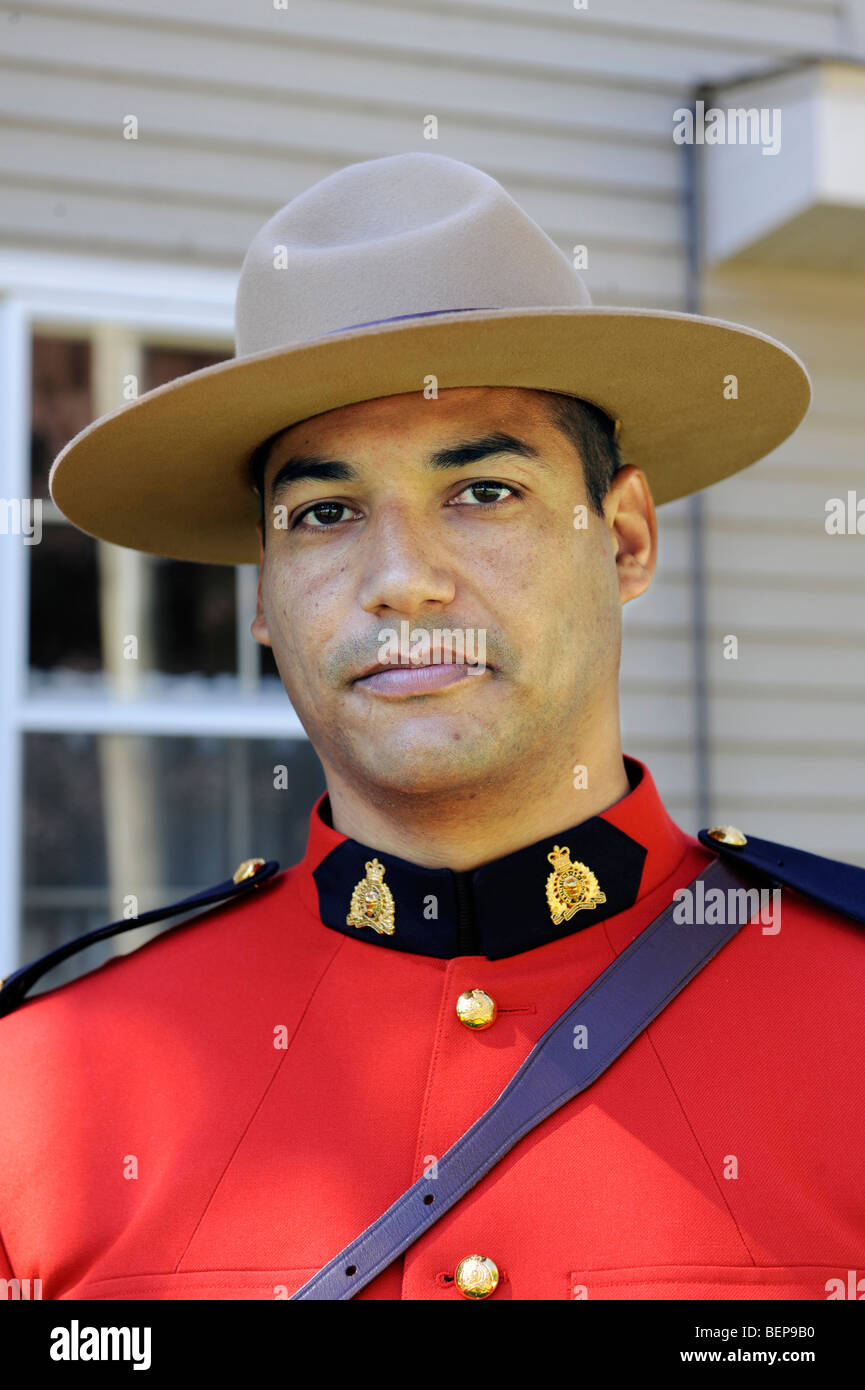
{"x":496,"y":910}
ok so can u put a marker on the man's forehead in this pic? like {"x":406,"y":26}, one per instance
{"x":454,"y":407}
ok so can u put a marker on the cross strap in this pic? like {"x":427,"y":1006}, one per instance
{"x":618,"y":1006}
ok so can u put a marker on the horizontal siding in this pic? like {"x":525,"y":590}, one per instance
{"x":57,"y":218}
{"x":790,"y":549}
{"x":679,"y":40}
{"x":242,"y":107}
{"x":218,"y":77}
{"x":662,"y":653}
{"x":63,"y":218}
{"x":786,"y":720}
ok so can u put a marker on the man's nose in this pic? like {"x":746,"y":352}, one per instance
{"x":404,"y":567}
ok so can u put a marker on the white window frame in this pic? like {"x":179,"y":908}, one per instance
{"x":160,"y":303}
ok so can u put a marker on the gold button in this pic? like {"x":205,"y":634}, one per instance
{"x":728,"y":835}
{"x":476,"y":1009}
{"x":248,"y":869}
{"x":476,"y":1276}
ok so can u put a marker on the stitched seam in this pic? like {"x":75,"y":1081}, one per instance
{"x":434,"y":1057}
{"x":679,"y":1280}
{"x":5,"y":1250}
{"x":205,"y":1277}
{"x":431,"y":1069}
{"x":612,"y":1276}
{"x":613,"y":950}
{"x":261,"y":1100}
{"x":721,"y":1191}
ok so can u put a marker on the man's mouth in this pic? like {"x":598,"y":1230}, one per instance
{"x":417,"y":680}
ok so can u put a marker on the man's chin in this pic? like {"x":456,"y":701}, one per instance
{"x":409,"y":754}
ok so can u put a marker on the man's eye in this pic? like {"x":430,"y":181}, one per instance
{"x":487,"y":485}
{"x":322,"y":515}
{"x":325,"y":513}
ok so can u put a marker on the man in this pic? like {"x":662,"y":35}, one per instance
{"x":432,"y":413}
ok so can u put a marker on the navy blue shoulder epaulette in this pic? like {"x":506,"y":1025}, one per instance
{"x":830,"y":882}
{"x":248,"y":875}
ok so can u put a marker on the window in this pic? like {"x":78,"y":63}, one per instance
{"x":129,"y":783}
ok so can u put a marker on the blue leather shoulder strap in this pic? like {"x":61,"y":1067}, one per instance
{"x":838,"y":886}
{"x":572,"y":1054}
{"x":15,"y":986}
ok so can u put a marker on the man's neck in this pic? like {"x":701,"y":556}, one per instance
{"x":461,"y":830}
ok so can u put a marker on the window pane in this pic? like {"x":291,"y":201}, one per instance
{"x":213,"y":803}
{"x":61,"y":401}
{"x":64,"y":606}
{"x":165,"y":363}
{"x":266,"y":664}
{"x":193,"y":617}
{"x":193,"y":605}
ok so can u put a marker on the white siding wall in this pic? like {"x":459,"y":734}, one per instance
{"x":242,"y":105}
{"x":787,"y":720}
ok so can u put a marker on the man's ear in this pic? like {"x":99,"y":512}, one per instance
{"x":629,"y":512}
{"x":258,"y":626}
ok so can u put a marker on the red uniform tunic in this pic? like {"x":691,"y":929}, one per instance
{"x":218,"y":1113}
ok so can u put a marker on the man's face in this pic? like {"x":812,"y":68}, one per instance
{"x":350,"y":560}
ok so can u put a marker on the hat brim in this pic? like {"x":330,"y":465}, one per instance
{"x":168,"y":473}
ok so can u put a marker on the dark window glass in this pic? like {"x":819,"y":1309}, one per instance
{"x":266,"y":663}
{"x":193,"y":605}
{"x":64,"y":601}
{"x":165,"y":363}
{"x":61,"y":401}
{"x":193,"y":617}
{"x":212,"y":803}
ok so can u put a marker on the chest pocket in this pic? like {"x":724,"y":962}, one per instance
{"x":232,"y":1284}
{"x":707,"y":1282}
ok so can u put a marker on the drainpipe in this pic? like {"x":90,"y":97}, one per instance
{"x":696,"y":509}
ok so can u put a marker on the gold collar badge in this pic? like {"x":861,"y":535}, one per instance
{"x":372,"y":901}
{"x":570,"y":887}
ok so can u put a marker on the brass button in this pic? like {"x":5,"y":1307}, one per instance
{"x":248,"y":869}
{"x":476,"y":1276}
{"x":476,"y":1009}
{"x":728,"y":835}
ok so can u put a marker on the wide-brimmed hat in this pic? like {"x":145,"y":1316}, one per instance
{"x":386,"y":274}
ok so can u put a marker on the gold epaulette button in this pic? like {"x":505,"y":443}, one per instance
{"x":728,"y":835}
{"x":248,"y":869}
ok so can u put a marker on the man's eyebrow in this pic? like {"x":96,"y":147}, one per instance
{"x":314,"y":468}
{"x":471,"y":450}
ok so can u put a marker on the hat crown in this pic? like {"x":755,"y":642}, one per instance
{"x":408,"y":234}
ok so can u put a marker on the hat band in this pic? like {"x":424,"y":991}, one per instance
{"x":421,"y":314}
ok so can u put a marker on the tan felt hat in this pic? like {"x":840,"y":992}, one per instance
{"x":387,"y":273}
